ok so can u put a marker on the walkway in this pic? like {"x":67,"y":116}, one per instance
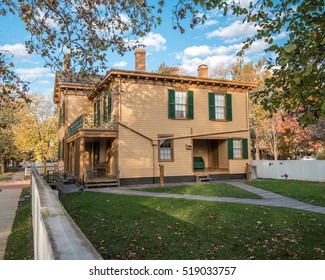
{"x":10,"y":191}
{"x":268,"y":198}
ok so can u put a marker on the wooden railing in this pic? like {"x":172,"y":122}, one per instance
{"x":89,"y":121}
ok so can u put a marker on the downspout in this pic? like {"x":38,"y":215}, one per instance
{"x":154,"y":162}
{"x":117,"y":123}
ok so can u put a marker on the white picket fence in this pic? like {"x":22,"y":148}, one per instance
{"x":305,"y":170}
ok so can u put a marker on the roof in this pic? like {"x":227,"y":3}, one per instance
{"x":74,"y":81}
{"x":96,"y":82}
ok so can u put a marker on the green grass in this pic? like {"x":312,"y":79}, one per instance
{"x":20,"y":240}
{"x":7,"y":175}
{"x":222,"y":190}
{"x":129,"y":227}
{"x":309,"y":192}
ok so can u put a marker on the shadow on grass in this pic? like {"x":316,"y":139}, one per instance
{"x":122,"y":227}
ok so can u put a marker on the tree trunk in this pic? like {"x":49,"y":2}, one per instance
{"x":257,"y":149}
{"x":3,"y":164}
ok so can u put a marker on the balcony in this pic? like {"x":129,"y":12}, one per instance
{"x":90,"y":121}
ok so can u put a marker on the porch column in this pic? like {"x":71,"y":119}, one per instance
{"x":81,"y":157}
{"x":66,"y":157}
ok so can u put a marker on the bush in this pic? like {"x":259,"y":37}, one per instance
{"x":321,"y":156}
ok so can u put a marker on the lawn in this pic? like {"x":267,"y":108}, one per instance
{"x":222,"y":190}
{"x":309,"y":192}
{"x":7,"y":175}
{"x":20,"y":240}
{"x":131,"y":227}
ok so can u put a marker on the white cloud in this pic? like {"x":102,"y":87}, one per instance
{"x":223,"y":50}
{"x":197,"y":51}
{"x":154,"y":42}
{"x":234,"y":32}
{"x":33,"y":74}
{"x":280,"y":36}
{"x":243,"y":3}
{"x":18,"y":50}
{"x":211,"y":22}
{"x":51,"y":22}
{"x":257,"y":48}
{"x":120,"y":64}
{"x":189,"y":65}
{"x":44,"y":82}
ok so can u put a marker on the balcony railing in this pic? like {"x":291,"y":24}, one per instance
{"x":89,"y":121}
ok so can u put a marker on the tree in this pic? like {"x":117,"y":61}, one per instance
{"x":85,"y":29}
{"x":298,"y":69}
{"x":88,"y":29}
{"x":11,"y":86}
{"x":7,"y":120}
{"x":280,"y":134}
{"x":317,"y":132}
{"x":164,"y":69}
{"x":35,"y":130}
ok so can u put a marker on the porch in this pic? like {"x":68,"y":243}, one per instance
{"x":210,"y":157}
{"x":91,"y":150}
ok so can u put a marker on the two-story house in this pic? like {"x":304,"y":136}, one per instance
{"x":128,"y":123}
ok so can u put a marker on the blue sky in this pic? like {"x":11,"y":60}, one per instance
{"x":216,"y":43}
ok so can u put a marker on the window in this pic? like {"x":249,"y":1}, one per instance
{"x":180,"y":104}
{"x":97,"y":113}
{"x":165,"y":149}
{"x":107,"y":106}
{"x":237,"y":148}
{"x":220,"y":106}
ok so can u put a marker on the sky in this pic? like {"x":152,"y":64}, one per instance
{"x":215,"y":43}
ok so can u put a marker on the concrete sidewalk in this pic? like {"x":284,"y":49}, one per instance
{"x":268,"y":198}
{"x":10,"y":191}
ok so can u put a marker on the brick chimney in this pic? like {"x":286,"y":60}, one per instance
{"x":66,"y":62}
{"x":174,"y":71}
{"x":140,"y":60}
{"x":203,"y":71}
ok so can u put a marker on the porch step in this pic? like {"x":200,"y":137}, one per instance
{"x":67,"y":181}
{"x":203,"y":178}
{"x":103,"y":184}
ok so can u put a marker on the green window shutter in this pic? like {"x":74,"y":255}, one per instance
{"x":245,"y":148}
{"x":212,"y":107}
{"x":171,"y":104}
{"x":190,"y":105}
{"x":60,"y":118}
{"x":230,"y":148}
{"x":98,"y":110}
{"x":62,"y":147}
{"x":63,"y":112}
{"x":109,"y":108}
{"x":228,"y":107}
{"x":104,"y":108}
{"x":59,"y":150}
{"x":95,"y":113}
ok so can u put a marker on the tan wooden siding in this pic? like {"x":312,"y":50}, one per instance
{"x":135,"y":155}
{"x":144,"y":108}
{"x":238,"y":166}
{"x":223,"y":154}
